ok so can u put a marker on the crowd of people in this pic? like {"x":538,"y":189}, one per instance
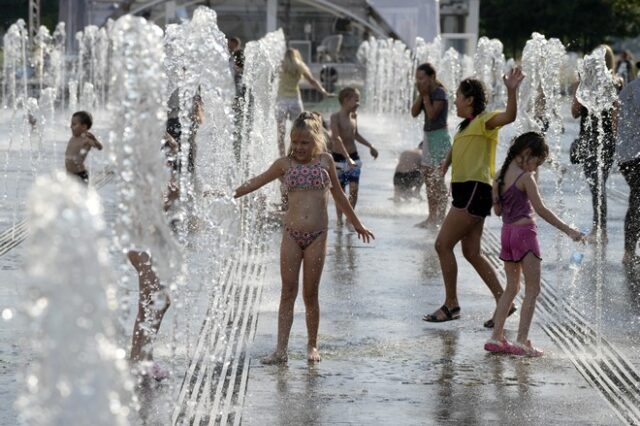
{"x":322,"y":159}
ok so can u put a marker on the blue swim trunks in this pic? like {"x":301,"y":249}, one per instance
{"x":347,"y":175}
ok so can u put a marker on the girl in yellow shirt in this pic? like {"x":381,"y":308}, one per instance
{"x":472,"y":159}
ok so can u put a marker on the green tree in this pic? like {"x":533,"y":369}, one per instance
{"x":579,"y":24}
{"x":12,"y":10}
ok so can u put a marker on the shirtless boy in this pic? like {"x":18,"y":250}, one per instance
{"x":344,"y":134}
{"x":79,"y":145}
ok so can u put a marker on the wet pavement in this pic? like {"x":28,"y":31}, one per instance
{"x":381,"y":363}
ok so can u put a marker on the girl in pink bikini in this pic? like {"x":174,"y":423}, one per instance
{"x":309,"y":174}
{"x":515,"y":197}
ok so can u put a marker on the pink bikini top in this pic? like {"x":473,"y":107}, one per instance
{"x":302,"y":177}
{"x":515,"y":204}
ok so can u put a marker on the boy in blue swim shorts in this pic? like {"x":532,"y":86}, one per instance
{"x":344,"y":132}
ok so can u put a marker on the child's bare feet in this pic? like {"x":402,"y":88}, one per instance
{"x":424,"y":224}
{"x":312,"y":354}
{"x":275,"y":358}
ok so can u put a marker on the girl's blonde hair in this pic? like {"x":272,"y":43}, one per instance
{"x":293,"y":62}
{"x":609,"y":57}
{"x":312,"y":124}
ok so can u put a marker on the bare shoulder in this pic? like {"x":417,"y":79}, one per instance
{"x":282,"y":163}
{"x":528,"y":181}
{"x":326,"y":158}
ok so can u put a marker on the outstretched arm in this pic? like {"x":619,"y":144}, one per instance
{"x":315,"y":83}
{"x":533,"y":194}
{"x":274,"y":172}
{"x":512,"y":81}
{"x":343,"y":203}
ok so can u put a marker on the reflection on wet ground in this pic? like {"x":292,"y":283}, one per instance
{"x":383,"y":365}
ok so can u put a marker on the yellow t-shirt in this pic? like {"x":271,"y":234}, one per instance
{"x":288,"y":86}
{"x":473,"y":156}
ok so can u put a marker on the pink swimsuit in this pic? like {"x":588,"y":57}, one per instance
{"x":305,"y":177}
{"x":517,"y":240}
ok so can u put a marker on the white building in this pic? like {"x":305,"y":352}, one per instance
{"x":306,"y":23}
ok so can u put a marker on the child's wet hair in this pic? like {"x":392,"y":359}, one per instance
{"x":533,"y":141}
{"x":84,"y":117}
{"x":346,"y":93}
{"x":473,"y":87}
{"x":311,"y":123}
{"x":430,"y":70}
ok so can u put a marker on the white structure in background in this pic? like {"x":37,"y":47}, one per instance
{"x":411,"y":18}
{"x":459,"y":24}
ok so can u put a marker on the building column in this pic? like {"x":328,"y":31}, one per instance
{"x":272,"y":15}
{"x":473,"y":23}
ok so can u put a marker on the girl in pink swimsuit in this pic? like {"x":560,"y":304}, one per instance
{"x":515,"y":197}
{"x":309,"y":174}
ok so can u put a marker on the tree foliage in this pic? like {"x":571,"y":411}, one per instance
{"x":579,"y":24}
{"x":12,"y":10}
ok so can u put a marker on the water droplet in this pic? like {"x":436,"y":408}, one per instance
{"x":7,"y":314}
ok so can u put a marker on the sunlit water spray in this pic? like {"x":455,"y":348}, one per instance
{"x":596,"y":92}
{"x":78,"y":374}
{"x":489,"y":67}
{"x":390,"y":75}
{"x":138,"y":114}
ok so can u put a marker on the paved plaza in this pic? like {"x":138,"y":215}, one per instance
{"x":381,"y":363}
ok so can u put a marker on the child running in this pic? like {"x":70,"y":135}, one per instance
{"x":308,"y":174}
{"x":515,"y":197}
{"x":472,"y":160}
{"x":344,"y":131}
{"x":81,"y":142}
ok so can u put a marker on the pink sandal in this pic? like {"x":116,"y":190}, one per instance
{"x":497,"y":346}
{"x":526,"y":350}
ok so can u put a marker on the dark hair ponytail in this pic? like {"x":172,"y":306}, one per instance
{"x":473,"y":87}
{"x":532,"y":140}
{"x":429,"y":70}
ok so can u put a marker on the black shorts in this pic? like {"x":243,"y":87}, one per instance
{"x":408,"y":180}
{"x":474,"y":197}
{"x":339,"y":158}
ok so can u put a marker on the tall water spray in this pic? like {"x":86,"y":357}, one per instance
{"x":261,"y":74}
{"x":489,"y":64}
{"x":596,"y":92}
{"x":15,"y":65}
{"x":57,"y":59}
{"x":92,"y":69}
{"x":78,"y":374}
{"x":428,"y":52}
{"x":43,"y":44}
{"x":139,"y":115}
{"x":197,"y":66}
{"x":450,"y":73}
{"x":390,"y":69}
